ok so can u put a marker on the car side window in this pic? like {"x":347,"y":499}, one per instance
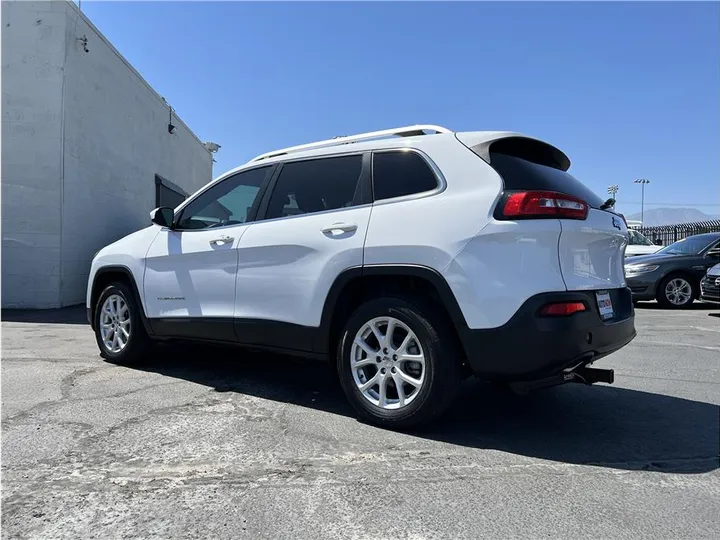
{"x":317,"y":185}
{"x":400,"y":173}
{"x":227,"y":203}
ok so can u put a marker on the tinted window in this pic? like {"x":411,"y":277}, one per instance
{"x":315,"y":185}
{"x":227,"y":203}
{"x":520,"y":174}
{"x":692,"y":245}
{"x":401,"y":173}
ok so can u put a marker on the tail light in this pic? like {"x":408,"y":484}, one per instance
{"x":541,"y":204}
{"x":562,"y":309}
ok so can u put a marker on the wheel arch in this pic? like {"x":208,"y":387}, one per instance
{"x":357,"y":284}
{"x":107,"y":275}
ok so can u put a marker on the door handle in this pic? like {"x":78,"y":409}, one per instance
{"x":337,"y":229}
{"x":221,"y":241}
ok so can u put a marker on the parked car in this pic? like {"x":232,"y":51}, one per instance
{"x":639,"y":244}
{"x":409,"y":258}
{"x":672,"y":275}
{"x":710,"y":286}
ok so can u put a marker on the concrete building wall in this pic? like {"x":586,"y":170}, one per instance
{"x":33,"y":49}
{"x":105,"y":137}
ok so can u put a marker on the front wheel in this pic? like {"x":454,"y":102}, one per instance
{"x":675,"y":292}
{"x":398,"y":363}
{"x":119,"y":330}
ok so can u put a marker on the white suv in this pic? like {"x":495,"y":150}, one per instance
{"x":412,"y":257}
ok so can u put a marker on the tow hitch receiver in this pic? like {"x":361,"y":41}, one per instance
{"x":584,"y":375}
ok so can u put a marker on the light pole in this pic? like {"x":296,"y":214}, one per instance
{"x":642,"y":181}
{"x":612,"y":190}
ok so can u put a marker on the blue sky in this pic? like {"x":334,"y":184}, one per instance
{"x":627,"y":90}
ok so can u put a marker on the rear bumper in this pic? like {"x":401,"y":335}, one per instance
{"x":529,"y":346}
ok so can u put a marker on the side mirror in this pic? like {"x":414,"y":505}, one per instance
{"x":163,"y":216}
{"x":714,"y":253}
{"x":658,"y":242}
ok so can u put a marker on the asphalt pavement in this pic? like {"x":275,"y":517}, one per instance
{"x":212,"y":443}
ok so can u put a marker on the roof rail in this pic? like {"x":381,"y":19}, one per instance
{"x":407,"y":131}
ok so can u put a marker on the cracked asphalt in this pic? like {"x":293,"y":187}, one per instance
{"x":215,"y":443}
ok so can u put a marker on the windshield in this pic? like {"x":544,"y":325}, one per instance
{"x":637,"y":239}
{"x":688,"y":246}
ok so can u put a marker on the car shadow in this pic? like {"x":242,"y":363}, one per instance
{"x":606,"y":426}
{"x":66,"y":315}
{"x":695,"y":306}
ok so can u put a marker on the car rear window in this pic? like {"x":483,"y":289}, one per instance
{"x":520,"y":174}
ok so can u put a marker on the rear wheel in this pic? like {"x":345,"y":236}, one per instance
{"x":119,"y":331}
{"x":675,"y":292}
{"x":398,"y":363}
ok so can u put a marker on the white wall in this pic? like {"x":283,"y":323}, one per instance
{"x":33,"y":45}
{"x":105,"y":135}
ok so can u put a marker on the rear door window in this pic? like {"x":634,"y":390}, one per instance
{"x":520,"y":174}
{"x":316,"y":185}
{"x":400,"y":173}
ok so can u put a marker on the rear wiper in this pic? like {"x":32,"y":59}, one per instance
{"x":608,"y":204}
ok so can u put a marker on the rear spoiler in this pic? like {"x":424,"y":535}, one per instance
{"x":514,"y":144}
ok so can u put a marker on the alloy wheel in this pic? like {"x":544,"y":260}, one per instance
{"x":678,"y":291}
{"x":387,"y":363}
{"x":115,"y":323}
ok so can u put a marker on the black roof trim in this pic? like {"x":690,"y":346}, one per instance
{"x":526,"y":148}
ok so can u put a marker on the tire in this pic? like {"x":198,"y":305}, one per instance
{"x":667,"y":300}
{"x":441,"y":375}
{"x":137,"y":343}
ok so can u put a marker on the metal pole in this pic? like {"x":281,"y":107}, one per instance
{"x":642,"y":204}
{"x":642,"y":181}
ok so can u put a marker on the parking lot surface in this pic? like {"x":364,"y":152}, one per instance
{"x":214,"y":443}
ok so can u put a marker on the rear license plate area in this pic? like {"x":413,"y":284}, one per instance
{"x":605,"y":305}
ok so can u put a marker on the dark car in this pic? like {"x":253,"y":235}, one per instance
{"x":710,"y":286}
{"x":672,"y":275}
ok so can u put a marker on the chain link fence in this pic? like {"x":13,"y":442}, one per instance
{"x":668,"y":234}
